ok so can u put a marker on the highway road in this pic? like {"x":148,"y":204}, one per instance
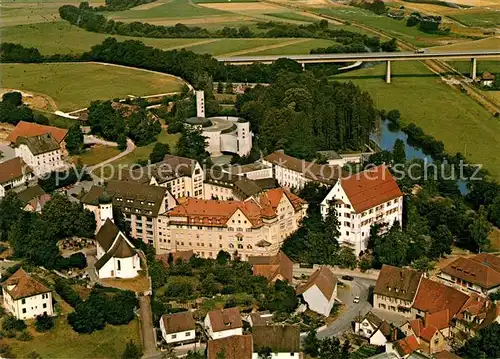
{"x":365,"y":56}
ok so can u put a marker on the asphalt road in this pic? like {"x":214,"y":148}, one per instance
{"x":357,"y":287}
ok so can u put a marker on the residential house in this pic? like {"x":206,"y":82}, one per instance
{"x":30,"y":129}
{"x":223,"y":323}
{"x":42,"y":153}
{"x":487,"y":79}
{"x":405,"y":347}
{"x":34,"y":198}
{"x":141,"y":205}
{"x":13,"y":173}
{"x":362,"y":200}
{"x":477,"y":313}
{"x":254,"y":227}
{"x":283,"y":341}
{"x":479,"y":274}
{"x":25,"y":298}
{"x":183,"y":177}
{"x":445,"y":354}
{"x":292,"y":172}
{"x":116,"y":255}
{"x":438,"y":304}
{"x":429,"y":337}
{"x":260,"y":318}
{"x":396,"y":289}
{"x":178,"y":328}
{"x":377,"y":331}
{"x":320,"y":291}
{"x":232,"y":347}
{"x":278,"y":267}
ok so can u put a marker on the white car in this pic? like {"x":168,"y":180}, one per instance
{"x":356,"y":299}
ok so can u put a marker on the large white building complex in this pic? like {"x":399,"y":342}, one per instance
{"x":361,"y":200}
{"x":42,"y":153}
{"x":254,"y":227}
{"x":224,"y":133}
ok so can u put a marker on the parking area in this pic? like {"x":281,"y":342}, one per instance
{"x":6,"y":152}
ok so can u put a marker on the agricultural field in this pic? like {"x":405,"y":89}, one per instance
{"x":483,"y":44}
{"x":230,"y":46}
{"x":302,"y":46}
{"x":421,"y":96}
{"x":481,"y":17}
{"x":73,"y":85}
{"x":107,"y":343}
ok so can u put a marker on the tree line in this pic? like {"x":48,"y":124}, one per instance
{"x":13,"y":110}
{"x":120,"y":5}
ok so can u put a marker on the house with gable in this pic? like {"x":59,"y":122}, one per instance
{"x":25,"y":298}
{"x":231,"y":347}
{"x":34,"y":198}
{"x":278,"y":267}
{"x":29,"y":129}
{"x":116,"y":255}
{"x":319,"y":292}
{"x":178,"y":328}
{"x":42,"y":153}
{"x":377,"y":331}
{"x":396,"y":289}
{"x":362,"y":200}
{"x":260,"y":318}
{"x":282,"y":340}
{"x":426,"y":331}
{"x":477,"y":313}
{"x":13,"y":173}
{"x":223,"y":323}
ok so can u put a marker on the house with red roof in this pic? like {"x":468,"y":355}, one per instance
{"x":361,"y":200}
{"x":319,"y":292}
{"x":427,"y":332}
{"x":255,"y":227}
{"x":478,"y":312}
{"x":13,"y":173}
{"x":30,"y":129}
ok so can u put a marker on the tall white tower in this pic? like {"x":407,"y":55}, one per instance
{"x":105,"y":208}
{"x":200,"y":104}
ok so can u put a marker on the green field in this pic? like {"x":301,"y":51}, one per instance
{"x":292,"y":16}
{"x":298,"y":48}
{"x":225,"y":46}
{"x":167,"y":9}
{"x":221,"y":1}
{"x":482,"y":66}
{"x":74,"y":86}
{"x":62,"y":342}
{"x":478,"y":18}
{"x":442,"y":111}
{"x":490,"y":43}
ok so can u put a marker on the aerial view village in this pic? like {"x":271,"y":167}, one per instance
{"x":250,"y":179}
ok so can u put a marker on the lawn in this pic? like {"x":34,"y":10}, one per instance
{"x":63,"y":342}
{"x":62,"y":38}
{"x":298,"y":48}
{"x":74,"y":85}
{"x":482,"y":66}
{"x":140,"y":153}
{"x":442,"y":111}
{"x":97,"y":154}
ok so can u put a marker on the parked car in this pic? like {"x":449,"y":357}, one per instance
{"x":347,"y":277}
{"x":356,"y":299}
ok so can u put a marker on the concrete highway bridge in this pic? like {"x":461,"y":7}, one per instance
{"x":387,"y":57}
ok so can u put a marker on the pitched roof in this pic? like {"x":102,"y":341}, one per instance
{"x":473,"y":271}
{"x":233,"y":347}
{"x":145,"y":200}
{"x":446,"y":355}
{"x":39,"y":144}
{"x":407,"y":345}
{"x":23,"y":285}
{"x":225,"y":319}
{"x":261,"y":318}
{"x":397,"y":282}
{"x":216,"y":213}
{"x":178,"y":322}
{"x":324,"y":279}
{"x":372,"y":319}
{"x":29,"y":193}
{"x":439,"y":320}
{"x":13,"y":169}
{"x":483,"y":310}
{"x":487,"y":76}
{"x":488,"y":259}
{"x":319,"y":173}
{"x":280,"y":338}
{"x":107,"y":234}
{"x":170,"y":168}
{"x":28,"y":129}
{"x":272,"y":266}
{"x":428,"y":332}
{"x":247,"y":187}
{"x":416,"y":325}
{"x":370,"y":188}
{"x":121,"y":249}
{"x":433,"y":297}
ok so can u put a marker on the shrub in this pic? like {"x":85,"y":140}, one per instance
{"x":14,"y":324}
{"x":25,"y":336}
{"x":66,"y":292}
{"x":44,"y":323}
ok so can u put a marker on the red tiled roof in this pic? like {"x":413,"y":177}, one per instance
{"x":488,"y":259}
{"x":473,"y":271}
{"x":225,"y":319}
{"x":178,"y":322}
{"x":23,"y":285}
{"x":417,"y":325}
{"x":324,"y":279}
{"x":13,"y":169}
{"x":439,"y":320}
{"x":435,"y":297}
{"x":427,"y":333}
{"x":446,"y":355}
{"x":217,"y":213}
{"x":395,"y":282}
{"x":370,"y":188}
{"x":272,"y":266}
{"x":29,"y":129}
{"x":407,"y":345}
{"x":233,"y":347}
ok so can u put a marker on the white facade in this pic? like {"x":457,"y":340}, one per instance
{"x":367,"y":330}
{"x":287,"y":177}
{"x":200,"y":103}
{"x":184,"y":186}
{"x":179,"y":337}
{"x":42,"y":163}
{"x":29,"y":307}
{"x":317,"y":302}
{"x":222,"y":333}
{"x":464,"y":286}
{"x":355,"y":227}
{"x":120,"y":268}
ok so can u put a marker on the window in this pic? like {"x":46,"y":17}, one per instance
{"x":119,"y":264}
{"x":174,"y":336}
{"x":23,"y":301}
{"x":44,"y":305}
{"x":24,"y":310}
{"x":188,"y":334}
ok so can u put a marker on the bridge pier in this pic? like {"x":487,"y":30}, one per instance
{"x":388,"y":72}
{"x":473,"y":69}
{"x":303,"y":66}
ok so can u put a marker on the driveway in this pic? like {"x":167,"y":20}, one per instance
{"x":7,"y":152}
{"x":357,"y":287}
{"x":147,"y":330}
